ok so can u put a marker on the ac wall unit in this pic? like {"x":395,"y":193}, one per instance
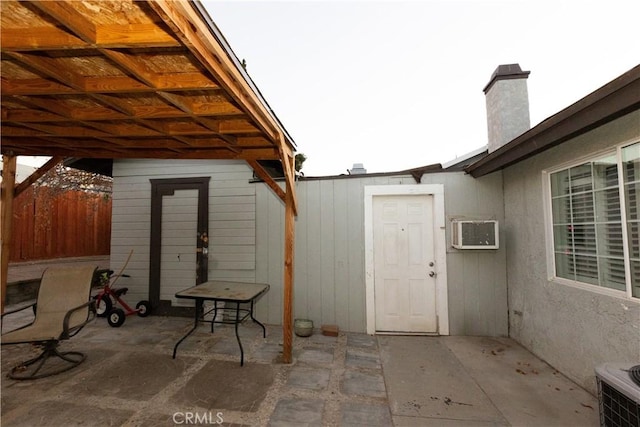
{"x":619,"y":394}
{"x":474,"y":234}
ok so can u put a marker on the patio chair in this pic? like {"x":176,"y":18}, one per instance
{"x":62,"y":309}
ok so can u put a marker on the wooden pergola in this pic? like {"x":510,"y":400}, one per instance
{"x":116,"y":79}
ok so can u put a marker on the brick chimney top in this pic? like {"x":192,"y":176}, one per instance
{"x":505,"y":72}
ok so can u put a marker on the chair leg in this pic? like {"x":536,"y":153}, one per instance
{"x":30,"y":369}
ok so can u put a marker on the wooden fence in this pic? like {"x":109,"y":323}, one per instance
{"x":51,"y":224}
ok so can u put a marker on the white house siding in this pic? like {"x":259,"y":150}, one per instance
{"x":329,"y":273}
{"x":232,"y":218}
{"x":572,"y":329}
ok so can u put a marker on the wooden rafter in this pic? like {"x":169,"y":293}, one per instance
{"x":196,"y":35}
{"x":50,"y":164}
{"x":48,"y":72}
{"x":134,"y":79}
{"x":114,"y":35}
{"x":264,"y":175}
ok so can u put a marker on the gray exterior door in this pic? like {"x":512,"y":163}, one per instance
{"x":179,"y":239}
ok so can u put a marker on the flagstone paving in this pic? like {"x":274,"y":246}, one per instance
{"x":131,"y":379}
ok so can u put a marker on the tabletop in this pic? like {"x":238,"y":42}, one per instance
{"x":224,"y":291}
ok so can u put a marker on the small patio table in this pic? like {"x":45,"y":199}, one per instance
{"x":228,"y":292}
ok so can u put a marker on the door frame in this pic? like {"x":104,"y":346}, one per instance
{"x":167,"y":187}
{"x":439,"y":241}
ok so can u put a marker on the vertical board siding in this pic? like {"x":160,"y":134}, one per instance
{"x":327,"y":240}
{"x":270,"y":254}
{"x":232,"y":217}
{"x":356,"y":310}
{"x":342,"y":244}
{"x":50,"y":224}
{"x":329,"y":276}
{"x":246,"y":225}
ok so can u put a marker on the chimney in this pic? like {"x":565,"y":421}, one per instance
{"x":507,"y":105}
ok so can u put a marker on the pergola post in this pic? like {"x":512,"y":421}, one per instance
{"x":289,"y":238}
{"x":6,"y":208}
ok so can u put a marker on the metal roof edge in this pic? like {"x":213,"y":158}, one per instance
{"x":615,"y":99}
{"x":434,"y":168}
{"x":465,"y":157}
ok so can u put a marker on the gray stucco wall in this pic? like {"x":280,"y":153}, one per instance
{"x":329,"y":275}
{"x":572,"y":329}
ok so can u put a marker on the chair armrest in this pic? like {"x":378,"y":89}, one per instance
{"x":69,"y":332}
{"x":16,"y":310}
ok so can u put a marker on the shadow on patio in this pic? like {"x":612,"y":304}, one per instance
{"x":129,"y":378}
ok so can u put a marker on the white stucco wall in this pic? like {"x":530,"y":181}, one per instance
{"x":572,"y":329}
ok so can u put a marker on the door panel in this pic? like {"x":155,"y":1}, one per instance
{"x":179,"y":236}
{"x":179,"y":242}
{"x":403,"y":242}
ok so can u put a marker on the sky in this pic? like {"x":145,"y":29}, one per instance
{"x":396,"y":85}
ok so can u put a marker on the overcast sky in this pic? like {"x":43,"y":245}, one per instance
{"x":397,"y":85}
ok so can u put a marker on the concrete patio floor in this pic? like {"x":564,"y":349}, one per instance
{"x":130,"y":379}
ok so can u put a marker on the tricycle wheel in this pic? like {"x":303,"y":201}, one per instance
{"x":103,"y":305}
{"x":144,"y":308}
{"x":116,"y":317}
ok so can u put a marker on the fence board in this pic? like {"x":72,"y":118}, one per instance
{"x":49,"y":224}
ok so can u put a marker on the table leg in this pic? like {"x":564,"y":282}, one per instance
{"x":215,"y":314}
{"x":237,"y":335}
{"x":264,"y":330}
{"x":195,"y":325}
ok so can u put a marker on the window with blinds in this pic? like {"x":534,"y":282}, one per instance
{"x":588,"y":222}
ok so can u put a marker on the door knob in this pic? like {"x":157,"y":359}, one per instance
{"x":432,"y":274}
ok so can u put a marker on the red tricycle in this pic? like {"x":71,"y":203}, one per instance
{"x":109,"y":296}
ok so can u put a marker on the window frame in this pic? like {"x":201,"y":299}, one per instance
{"x":548,"y":222}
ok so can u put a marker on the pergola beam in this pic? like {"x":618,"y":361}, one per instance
{"x":264,"y":175}
{"x":142,"y":35}
{"x":287,"y":306}
{"x":36,"y":175}
{"x":196,"y":35}
{"x":134,"y":79}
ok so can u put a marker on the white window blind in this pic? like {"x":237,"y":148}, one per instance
{"x":588,"y":223}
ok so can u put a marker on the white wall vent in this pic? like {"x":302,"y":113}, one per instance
{"x":619,"y":394}
{"x":467,"y":234}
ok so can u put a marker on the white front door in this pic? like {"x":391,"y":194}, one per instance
{"x":404,"y":263}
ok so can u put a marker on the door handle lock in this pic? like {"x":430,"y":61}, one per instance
{"x":432,"y":274}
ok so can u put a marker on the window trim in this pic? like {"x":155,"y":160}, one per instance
{"x":548,"y":223}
